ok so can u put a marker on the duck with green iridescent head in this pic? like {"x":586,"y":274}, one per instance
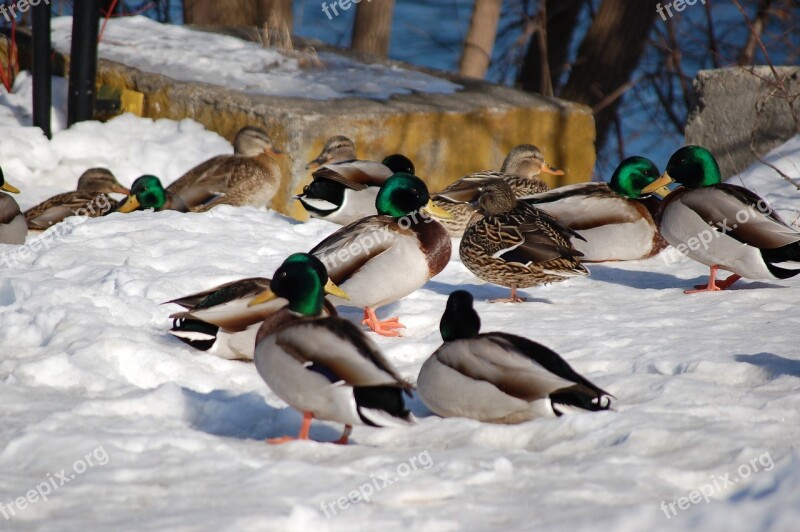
{"x":617,"y":222}
{"x":223,"y":321}
{"x":147,"y":192}
{"x":344,"y":188}
{"x":382,"y":258}
{"x":325,"y":367}
{"x":725,"y":227}
{"x":499,"y":377}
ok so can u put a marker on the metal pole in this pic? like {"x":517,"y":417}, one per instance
{"x":42,"y":68}
{"x":83,"y":61}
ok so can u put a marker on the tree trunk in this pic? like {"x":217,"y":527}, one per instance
{"x":372,"y":29}
{"x":477,"y":53}
{"x":238,"y":13}
{"x":608,"y":55}
{"x":760,"y":22}
{"x":562,"y":19}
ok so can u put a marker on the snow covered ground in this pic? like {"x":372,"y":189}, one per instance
{"x":189,"y":55}
{"x":121,"y":426}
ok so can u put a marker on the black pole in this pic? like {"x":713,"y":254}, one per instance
{"x":83,"y":61}
{"x":42,"y":68}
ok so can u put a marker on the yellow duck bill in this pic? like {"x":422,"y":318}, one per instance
{"x":659,"y":186}
{"x":268,"y":295}
{"x":438,"y":212}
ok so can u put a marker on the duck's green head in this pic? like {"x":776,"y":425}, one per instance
{"x":692,"y":167}
{"x":302,"y":279}
{"x":399,"y":163}
{"x":459,"y":319}
{"x":6,"y":186}
{"x":147,"y":192}
{"x":633,"y":175}
{"x":402,"y":194}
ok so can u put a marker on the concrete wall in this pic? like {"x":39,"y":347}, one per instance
{"x":447,"y":136}
{"x":734,"y":106}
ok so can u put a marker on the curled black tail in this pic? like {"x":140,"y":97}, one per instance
{"x":788,"y":253}
{"x":576,"y":398}
{"x":196,"y":333}
{"x":373,"y":399}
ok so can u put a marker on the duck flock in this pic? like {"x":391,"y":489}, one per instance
{"x":396,"y":235}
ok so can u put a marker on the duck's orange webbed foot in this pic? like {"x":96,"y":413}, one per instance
{"x":385,"y":327}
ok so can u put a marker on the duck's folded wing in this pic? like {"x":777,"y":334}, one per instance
{"x":584,"y":205}
{"x":204,"y":182}
{"x":357,"y":175}
{"x":484,"y":358}
{"x":344,"y":252}
{"x":741,"y":214}
{"x":62,"y":206}
{"x":339,"y":350}
{"x":468,"y":188}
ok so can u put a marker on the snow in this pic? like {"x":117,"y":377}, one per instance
{"x":188,"y":55}
{"x":705,"y":384}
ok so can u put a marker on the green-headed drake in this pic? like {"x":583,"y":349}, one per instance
{"x":223,"y":321}
{"x":383,"y":258}
{"x":325,"y":367}
{"x":499,"y":377}
{"x":616,"y":221}
{"x":521,"y":170}
{"x":13,"y":228}
{"x":513,"y":244}
{"x":343,"y":188}
{"x":90,"y":198}
{"x":147,"y":192}
{"x":723,"y":226}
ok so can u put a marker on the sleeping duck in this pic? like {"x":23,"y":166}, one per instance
{"x":725,"y":227}
{"x":615,"y":221}
{"x":91,"y":198}
{"x":13,"y":228}
{"x":221,"y":321}
{"x":250,"y":176}
{"x":344,"y":188}
{"x":147,"y":192}
{"x":521,"y":170}
{"x":325,"y":367}
{"x":499,"y":377}
{"x":383,"y":258}
{"x":516,"y":245}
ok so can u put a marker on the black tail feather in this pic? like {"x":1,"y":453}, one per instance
{"x":188,"y":325}
{"x":577,"y":396}
{"x":386,"y":398}
{"x":788,"y":253}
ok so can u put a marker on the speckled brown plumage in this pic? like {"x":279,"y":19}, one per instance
{"x":521,"y":170}
{"x":515,"y":245}
{"x":249,"y":177}
{"x":89,"y":199}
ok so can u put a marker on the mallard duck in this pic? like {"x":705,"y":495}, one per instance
{"x":343,"y":188}
{"x":221,"y":320}
{"x":91,"y":198}
{"x":147,"y":192}
{"x":380,"y":259}
{"x":13,"y":228}
{"x":324,"y":367}
{"x":725,"y":227}
{"x":616,"y":222}
{"x":513,"y":244}
{"x":521,"y":170}
{"x":499,"y":377}
{"x":250,"y":176}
